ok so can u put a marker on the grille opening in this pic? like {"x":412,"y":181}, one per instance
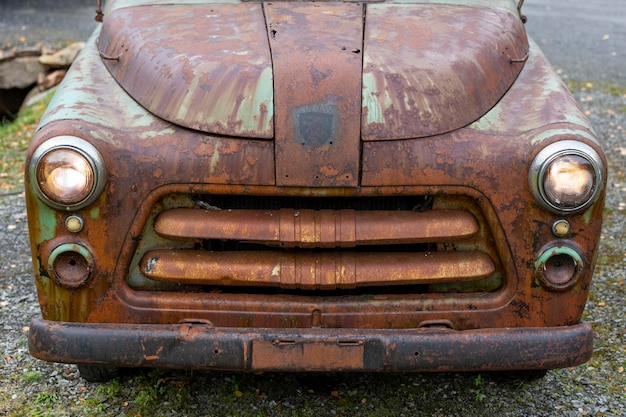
{"x":169,"y":259}
{"x":224,"y":202}
{"x":360,"y":292}
{"x":232,"y":246}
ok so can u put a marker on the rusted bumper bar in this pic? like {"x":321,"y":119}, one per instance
{"x":199,"y":346}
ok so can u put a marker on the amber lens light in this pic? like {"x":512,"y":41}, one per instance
{"x":569,"y":181}
{"x":65,"y":176}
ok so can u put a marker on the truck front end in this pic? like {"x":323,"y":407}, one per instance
{"x":313,"y":187}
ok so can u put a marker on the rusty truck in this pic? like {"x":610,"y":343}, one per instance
{"x":393,"y":185}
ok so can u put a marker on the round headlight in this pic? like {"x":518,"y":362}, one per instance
{"x":569,"y":181}
{"x":566,"y":176}
{"x":65,"y":176}
{"x":67,"y":172}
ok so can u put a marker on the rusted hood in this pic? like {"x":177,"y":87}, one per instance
{"x":433,"y":68}
{"x":206,"y":67}
{"x":422,"y":69}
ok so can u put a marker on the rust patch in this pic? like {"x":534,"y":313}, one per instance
{"x":317,"y":228}
{"x":315,"y":270}
{"x":317,"y":82}
{"x":446,"y":70}
{"x":313,"y":355}
{"x":217,"y":79}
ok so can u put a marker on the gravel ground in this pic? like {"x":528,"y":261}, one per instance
{"x":598,"y":388}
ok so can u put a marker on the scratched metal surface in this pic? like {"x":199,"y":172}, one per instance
{"x":431,"y":69}
{"x":316,"y":52}
{"x":205,"y":67}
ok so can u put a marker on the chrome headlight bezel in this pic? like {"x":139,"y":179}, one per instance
{"x":83,"y":149}
{"x":553,"y":152}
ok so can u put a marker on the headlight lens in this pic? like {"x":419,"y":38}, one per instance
{"x":566,"y":176}
{"x":65,"y":176}
{"x":67,"y":172}
{"x":569,"y":181}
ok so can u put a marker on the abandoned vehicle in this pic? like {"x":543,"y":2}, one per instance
{"x":397,"y":185}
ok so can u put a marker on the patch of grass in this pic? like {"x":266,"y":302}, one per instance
{"x":30,"y":377}
{"x":44,"y":405}
{"x":46,"y":398}
{"x":616,"y":90}
{"x":152,"y":389}
{"x":112,"y":388}
{"x":14,"y":139}
{"x":577,"y":86}
{"x":150,"y":394}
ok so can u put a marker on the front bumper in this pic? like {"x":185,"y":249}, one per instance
{"x":202,"y":346}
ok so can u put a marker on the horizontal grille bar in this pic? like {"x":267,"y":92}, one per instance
{"x":314,"y":270}
{"x":318,"y":228}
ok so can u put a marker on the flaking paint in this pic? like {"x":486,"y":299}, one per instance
{"x":155,"y":165}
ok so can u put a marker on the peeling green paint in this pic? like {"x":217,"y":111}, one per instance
{"x":375,"y":105}
{"x":48,"y":222}
{"x":80,"y":91}
{"x":519,"y":100}
{"x":557,"y":250}
{"x":589,"y":215}
{"x":94,"y":213}
{"x":547,"y":134}
{"x":264,"y":89}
